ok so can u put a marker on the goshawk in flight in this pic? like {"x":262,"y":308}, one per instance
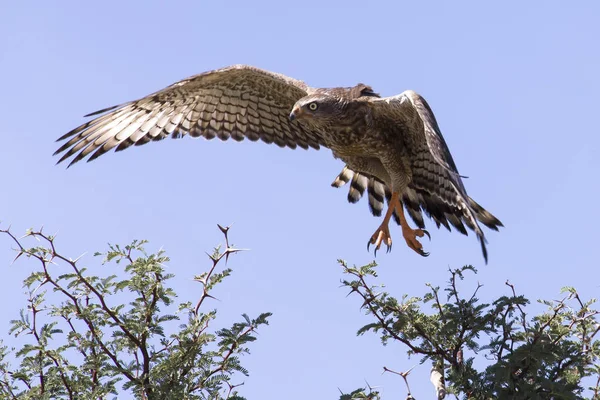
{"x":392,"y":146}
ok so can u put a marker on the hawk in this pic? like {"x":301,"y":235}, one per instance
{"x":392,"y":146}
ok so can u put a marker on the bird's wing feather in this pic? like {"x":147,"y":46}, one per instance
{"x":235,"y":102}
{"x":436,"y":186}
{"x":415,"y":108}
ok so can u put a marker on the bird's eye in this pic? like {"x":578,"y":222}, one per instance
{"x":313,"y":106}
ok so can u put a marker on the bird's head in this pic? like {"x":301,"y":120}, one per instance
{"x":318,"y":107}
{"x":325,"y":106}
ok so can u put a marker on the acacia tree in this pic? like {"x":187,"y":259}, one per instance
{"x":546,"y":356}
{"x":81,"y":340}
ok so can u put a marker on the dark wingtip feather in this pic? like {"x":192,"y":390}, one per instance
{"x":75,"y":131}
{"x":483,"y":247}
{"x":64,"y":157}
{"x":484,"y":216}
{"x":82,"y":127}
{"x":457,"y":223}
{"x":124,"y":144}
{"x":102,"y":111}
{"x":61,"y":149}
{"x":74,"y":161}
{"x":98,"y":152}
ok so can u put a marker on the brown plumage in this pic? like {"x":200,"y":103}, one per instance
{"x":392,"y":147}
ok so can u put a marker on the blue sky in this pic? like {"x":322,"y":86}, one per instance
{"x":514,"y":88}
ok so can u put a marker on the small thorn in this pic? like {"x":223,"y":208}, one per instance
{"x":234,"y":250}
{"x":231,"y":250}
{"x":17,"y":257}
{"x":78,"y":258}
{"x":210,"y":296}
{"x":211,"y":257}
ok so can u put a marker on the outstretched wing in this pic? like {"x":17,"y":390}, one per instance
{"x":235,"y":102}
{"x":436,"y":186}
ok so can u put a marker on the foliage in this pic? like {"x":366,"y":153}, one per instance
{"x":82,"y":341}
{"x":547,"y":356}
{"x":90,"y":337}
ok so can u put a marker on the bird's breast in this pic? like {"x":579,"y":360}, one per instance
{"x":352,"y":141}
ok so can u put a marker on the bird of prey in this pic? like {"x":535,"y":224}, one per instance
{"x":392,"y":146}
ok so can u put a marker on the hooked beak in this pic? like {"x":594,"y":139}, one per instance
{"x":296,"y":112}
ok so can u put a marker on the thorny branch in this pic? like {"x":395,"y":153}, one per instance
{"x":140,"y":371}
{"x":53,"y":254}
{"x":435,"y":338}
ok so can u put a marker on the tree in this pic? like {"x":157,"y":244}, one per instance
{"x":82,"y":343}
{"x":79,"y":343}
{"x":548,"y":356}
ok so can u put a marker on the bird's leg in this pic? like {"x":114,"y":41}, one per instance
{"x":410,"y":235}
{"x":382,"y":234}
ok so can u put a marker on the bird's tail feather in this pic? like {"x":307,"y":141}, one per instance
{"x":378,"y":195}
{"x":416,"y":204}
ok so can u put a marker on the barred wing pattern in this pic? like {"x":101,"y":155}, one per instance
{"x":242,"y":101}
{"x":236,"y":102}
{"x":436,"y":187}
